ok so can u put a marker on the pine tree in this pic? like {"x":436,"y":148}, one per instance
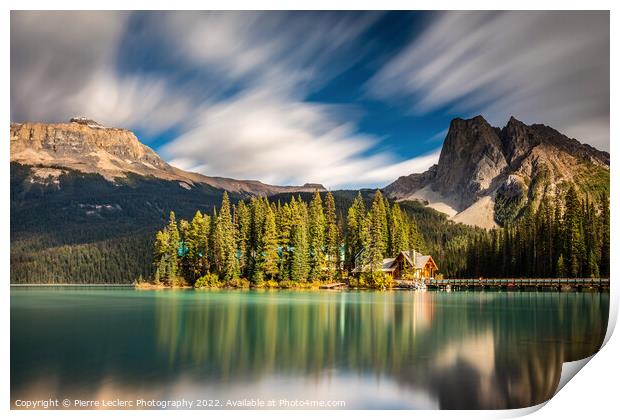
{"x":558,"y":237}
{"x":399,"y":232}
{"x":284,"y":223}
{"x":254,"y":251}
{"x":605,"y":238}
{"x":160,"y":247}
{"x":172,"y":251}
{"x":184,"y":257}
{"x":195,"y":241}
{"x":269,"y":246}
{"x":357,"y":232}
{"x":226,"y":234}
{"x":560,"y":267}
{"x":592,"y":269}
{"x":159,"y":271}
{"x":215,"y":245}
{"x":316,"y":231}
{"x":376,"y":238}
{"x":299,"y":242}
{"x":416,"y":241}
{"x":573,"y":232}
{"x":386,"y":211}
{"x":332,"y":237}
{"x":242,"y":222}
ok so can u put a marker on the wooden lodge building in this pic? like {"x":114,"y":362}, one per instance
{"x":421,"y":266}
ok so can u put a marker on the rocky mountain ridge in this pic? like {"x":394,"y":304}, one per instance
{"x":86,"y":146}
{"x":487,"y":176}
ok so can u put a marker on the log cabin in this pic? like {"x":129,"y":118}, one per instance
{"x":406,"y":263}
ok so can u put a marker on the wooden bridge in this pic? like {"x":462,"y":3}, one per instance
{"x":553,"y":283}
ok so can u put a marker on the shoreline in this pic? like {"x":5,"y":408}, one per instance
{"x":71,"y":285}
{"x":598,"y":285}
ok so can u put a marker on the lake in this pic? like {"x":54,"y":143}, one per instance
{"x":299,"y":349}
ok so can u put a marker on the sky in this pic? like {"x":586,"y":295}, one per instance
{"x":346,"y":99}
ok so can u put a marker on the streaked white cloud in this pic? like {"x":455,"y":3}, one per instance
{"x":537,"y":66}
{"x":268,"y":131}
{"x":282,"y":140}
{"x":289,"y":50}
{"x":543,"y":67}
{"x":63,"y":65}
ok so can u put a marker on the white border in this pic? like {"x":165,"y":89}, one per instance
{"x":591,"y":395}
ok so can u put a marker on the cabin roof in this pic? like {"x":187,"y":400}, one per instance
{"x":389,"y":264}
{"x":420,"y":260}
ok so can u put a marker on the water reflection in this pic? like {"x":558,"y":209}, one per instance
{"x":373,"y":350}
{"x":481,"y":349}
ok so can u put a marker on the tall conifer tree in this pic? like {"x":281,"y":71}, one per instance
{"x":376,"y":234}
{"x":316,"y":242}
{"x":226,"y":233}
{"x":332,"y":236}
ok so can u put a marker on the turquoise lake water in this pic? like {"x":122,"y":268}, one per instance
{"x":358,"y":349}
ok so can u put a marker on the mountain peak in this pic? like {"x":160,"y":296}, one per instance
{"x":86,"y":146}
{"x":513,"y":121}
{"x":472,"y":154}
{"x":487,"y":175}
{"x":477,"y":120}
{"x":86,"y":121}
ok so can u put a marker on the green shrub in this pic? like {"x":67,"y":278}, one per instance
{"x":238,"y":283}
{"x":208,"y":280}
{"x":375,"y":280}
{"x":177,"y":281}
{"x":358,"y":281}
{"x":267,"y":284}
{"x":288,"y":284}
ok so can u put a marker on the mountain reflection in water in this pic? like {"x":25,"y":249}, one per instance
{"x":370,"y":349}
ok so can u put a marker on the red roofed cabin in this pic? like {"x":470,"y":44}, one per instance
{"x":421,"y":266}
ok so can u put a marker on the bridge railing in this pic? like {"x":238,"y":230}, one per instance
{"x":511,"y":282}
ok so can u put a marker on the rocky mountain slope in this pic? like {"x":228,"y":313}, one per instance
{"x":86,"y":146}
{"x":487,"y":176}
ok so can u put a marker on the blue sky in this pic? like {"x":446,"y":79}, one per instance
{"x":347,"y":99}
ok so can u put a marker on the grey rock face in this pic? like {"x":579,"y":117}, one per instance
{"x":513,"y":164}
{"x":517,"y":139}
{"x":405,"y":185}
{"x":471,"y":157}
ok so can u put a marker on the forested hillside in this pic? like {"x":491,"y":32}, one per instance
{"x":86,"y":229}
{"x":90,"y":230}
{"x":569,"y":238}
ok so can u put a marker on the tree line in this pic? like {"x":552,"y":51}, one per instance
{"x":296,"y":242}
{"x":257,"y":241}
{"x":568,"y":238}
